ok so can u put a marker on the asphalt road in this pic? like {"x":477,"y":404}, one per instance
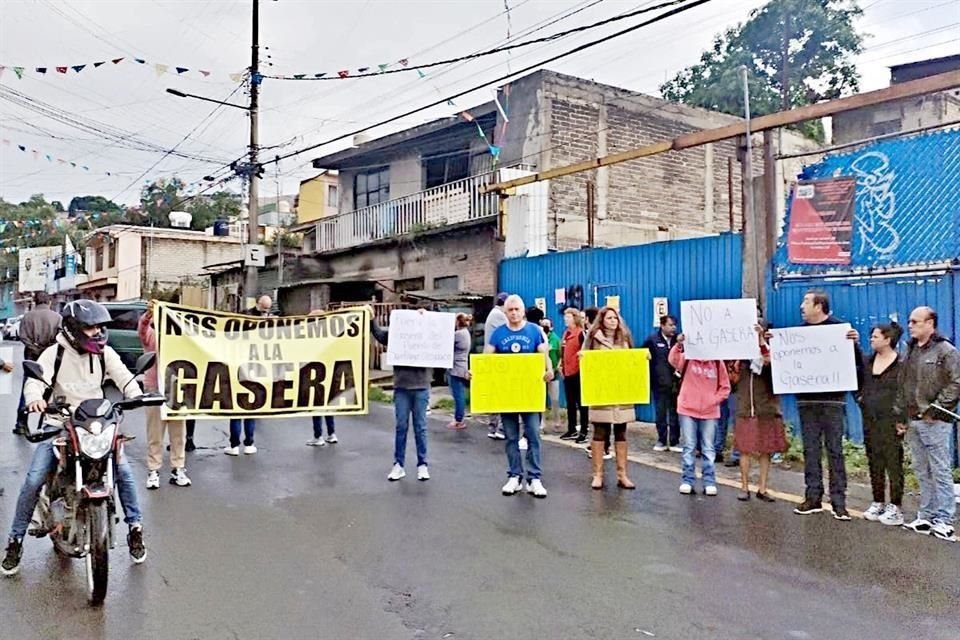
{"x":315,"y":543}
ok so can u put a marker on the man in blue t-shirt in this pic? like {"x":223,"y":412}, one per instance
{"x":520,"y":336}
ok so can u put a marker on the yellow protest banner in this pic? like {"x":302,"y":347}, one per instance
{"x":507,"y":383}
{"x":222,"y":365}
{"x":615,"y":376}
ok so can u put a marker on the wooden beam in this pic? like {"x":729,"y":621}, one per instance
{"x":912,"y":89}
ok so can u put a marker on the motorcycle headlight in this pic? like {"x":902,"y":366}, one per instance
{"x":97,"y":445}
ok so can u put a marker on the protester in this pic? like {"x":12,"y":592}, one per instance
{"x":263,"y":309}
{"x":573,"y":339}
{"x":610,"y":332}
{"x":926,"y":405}
{"x":553,"y":387}
{"x":458,"y":376}
{"x":411,"y":394}
{"x":664,"y":383}
{"x":38,"y":330}
{"x":176,"y":429}
{"x":589,"y":319}
{"x":516,"y":337}
{"x":704,"y":386}
{"x":495,"y":319}
{"x":759,"y":431}
{"x":318,"y":440}
{"x":728,"y":413}
{"x":822,"y":418}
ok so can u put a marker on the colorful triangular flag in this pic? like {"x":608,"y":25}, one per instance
{"x":140,"y":60}
{"x":300,"y":76}
{"x":205,"y":73}
{"x":117,"y":60}
{"x":41,"y":69}
{"x":382,"y":67}
{"x":61,"y":69}
{"x":319,"y":75}
{"x":404,"y":62}
{"x":236,"y":77}
{"x":49,"y":159}
{"x":161,"y":69}
{"x":98,"y":64}
{"x":466,"y":116}
{"x":22,"y":148}
{"x":363,"y":69}
{"x":182,"y":69}
{"x":343,"y":73}
{"x":78,"y":67}
{"x":18,"y":71}
{"x":421,"y":73}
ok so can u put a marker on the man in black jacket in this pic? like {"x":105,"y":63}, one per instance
{"x":822,"y":418}
{"x":38,"y":330}
{"x":664,"y":381}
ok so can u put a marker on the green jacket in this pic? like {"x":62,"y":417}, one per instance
{"x":554,"y":340}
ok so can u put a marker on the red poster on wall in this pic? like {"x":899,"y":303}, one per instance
{"x":821,"y":221}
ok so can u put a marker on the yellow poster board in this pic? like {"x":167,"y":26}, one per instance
{"x":507,"y":383}
{"x":615,"y":376}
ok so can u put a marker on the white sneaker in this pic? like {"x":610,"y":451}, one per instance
{"x":608,"y":456}
{"x":232,"y":451}
{"x":249,"y":450}
{"x":523,"y":444}
{"x":659,"y":447}
{"x":686,"y":489}
{"x":710,"y":490}
{"x":332,"y":439}
{"x":676,"y":449}
{"x":876,"y":510}
{"x":943,"y":531}
{"x":536,"y":488}
{"x":892,"y":516}
{"x":423,"y":473}
{"x":513,"y":486}
{"x":317,"y":442}
{"x":396,"y":473}
{"x":179,"y":478}
{"x":153,"y":480}
{"x":920,"y":525}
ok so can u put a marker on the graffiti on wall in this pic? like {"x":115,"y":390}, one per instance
{"x":876,"y":200}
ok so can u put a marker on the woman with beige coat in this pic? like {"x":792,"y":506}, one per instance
{"x":610,"y":332}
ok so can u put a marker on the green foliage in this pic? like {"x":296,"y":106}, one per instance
{"x":816,"y":39}
{"x":444,"y":404}
{"x":208,"y":208}
{"x":377,"y":394}
{"x":158,"y":199}
{"x":98,"y":204}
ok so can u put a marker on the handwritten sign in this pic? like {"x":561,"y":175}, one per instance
{"x":817,"y":359}
{"x":421,"y":339}
{"x":6,"y":379}
{"x":720,"y":329}
{"x":615,"y":376}
{"x":507,"y":383}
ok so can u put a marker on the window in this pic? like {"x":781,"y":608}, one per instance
{"x":112,"y":255}
{"x":445,"y":168}
{"x":446,"y":283}
{"x":125,"y":319}
{"x":410,"y":284}
{"x":372,"y":187}
{"x":99,"y":258}
{"x":333,"y":196}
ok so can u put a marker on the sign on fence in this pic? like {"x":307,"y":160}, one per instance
{"x":615,"y":376}
{"x":661,"y":307}
{"x":720,"y":329}
{"x":421,"y":339}
{"x":507,"y":383}
{"x":816,"y":359}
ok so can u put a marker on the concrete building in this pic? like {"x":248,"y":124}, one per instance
{"x":319,"y":196}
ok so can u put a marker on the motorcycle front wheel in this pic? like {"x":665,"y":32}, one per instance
{"x":98,"y":554}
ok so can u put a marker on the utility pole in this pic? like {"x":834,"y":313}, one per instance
{"x":253,"y":226}
{"x":752,"y":232}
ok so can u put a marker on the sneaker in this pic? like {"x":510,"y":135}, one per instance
{"x":249,"y":449}
{"x":569,"y":435}
{"x":876,"y":510}
{"x":492,"y":433}
{"x":189,"y":446}
{"x":686,"y":489}
{"x":523,"y":444}
{"x":138,"y":552}
{"x":808,"y":507}
{"x":332,"y":439}
{"x":500,"y":435}
{"x":607,"y":455}
{"x":317,"y":442}
{"x":536,"y":488}
{"x":232,"y":451}
{"x":659,"y":447}
{"x":710,"y":490}
{"x":776,"y":458}
{"x":732,"y":462}
{"x":11,"y":561}
{"x":676,"y":449}
{"x":179,"y":478}
{"x":841,"y":513}
{"x":581,"y":439}
{"x":153,"y":480}
{"x":423,"y":473}
{"x":396,"y":473}
{"x":943,"y":531}
{"x":892,"y":516}
{"x":920,"y":525}
{"x":512,"y":487}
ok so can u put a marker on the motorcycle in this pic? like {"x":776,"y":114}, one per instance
{"x":77,"y":505}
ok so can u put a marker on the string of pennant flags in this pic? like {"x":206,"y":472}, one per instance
{"x":160,"y":69}
{"x":37,"y":155}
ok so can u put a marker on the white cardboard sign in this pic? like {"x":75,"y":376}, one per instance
{"x":720,"y":329}
{"x":421,"y":339}
{"x":815,"y":359}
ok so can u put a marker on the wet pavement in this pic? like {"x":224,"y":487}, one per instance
{"x":315,"y":543}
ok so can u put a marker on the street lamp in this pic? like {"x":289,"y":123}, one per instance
{"x":181,"y":94}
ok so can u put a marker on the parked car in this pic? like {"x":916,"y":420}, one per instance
{"x":123,"y":330}
{"x":11,"y":328}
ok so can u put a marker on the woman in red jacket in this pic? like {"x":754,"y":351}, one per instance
{"x":703,"y":388}
{"x":572,"y":343}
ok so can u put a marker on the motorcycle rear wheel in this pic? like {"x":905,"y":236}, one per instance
{"x":98,"y":554}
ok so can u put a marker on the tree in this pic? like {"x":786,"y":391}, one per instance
{"x":797,"y":52}
{"x":208,"y":208}
{"x":158,"y":199}
{"x":97,"y":204}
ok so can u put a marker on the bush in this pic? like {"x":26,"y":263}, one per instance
{"x":444,"y":404}
{"x":377,"y":394}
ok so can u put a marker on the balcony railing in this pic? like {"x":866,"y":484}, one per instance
{"x":449,"y":204}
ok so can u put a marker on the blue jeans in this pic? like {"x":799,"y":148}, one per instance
{"x":727,"y":416}
{"x":318,"y":426}
{"x":531,"y":430}
{"x":249,"y":427}
{"x":407,"y":402}
{"x":458,"y":388}
{"x":43,"y":464}
{"x":930,"y":447}
{"x":695,"y":430}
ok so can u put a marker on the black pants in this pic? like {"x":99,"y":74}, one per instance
{"x":822,"y":424}
{"x":601,"y":433}
{"x":191,"y":427}
{"x":571,"y":387}
{"x":885,"y":455}
{"x":668,"y":424}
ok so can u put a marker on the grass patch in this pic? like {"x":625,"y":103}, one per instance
{"x":444,"y":404}
{"x":377,"y":394}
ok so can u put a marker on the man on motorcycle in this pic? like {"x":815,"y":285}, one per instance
{"x":76,"y":367}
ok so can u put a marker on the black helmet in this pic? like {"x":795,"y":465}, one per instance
{"x":83,"y":314}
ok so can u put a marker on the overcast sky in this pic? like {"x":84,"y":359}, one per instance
{"x":315,"y":36}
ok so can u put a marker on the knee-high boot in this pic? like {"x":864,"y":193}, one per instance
{"x":596,"y":451}
{"x":622,"y":480}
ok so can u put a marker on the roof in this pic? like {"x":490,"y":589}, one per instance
{"x":161,"y":232}
{"x":446,"y":296}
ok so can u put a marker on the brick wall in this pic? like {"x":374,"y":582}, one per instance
{"x":167,"y":262}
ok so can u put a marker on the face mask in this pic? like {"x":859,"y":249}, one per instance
{"x":95,"y":343}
